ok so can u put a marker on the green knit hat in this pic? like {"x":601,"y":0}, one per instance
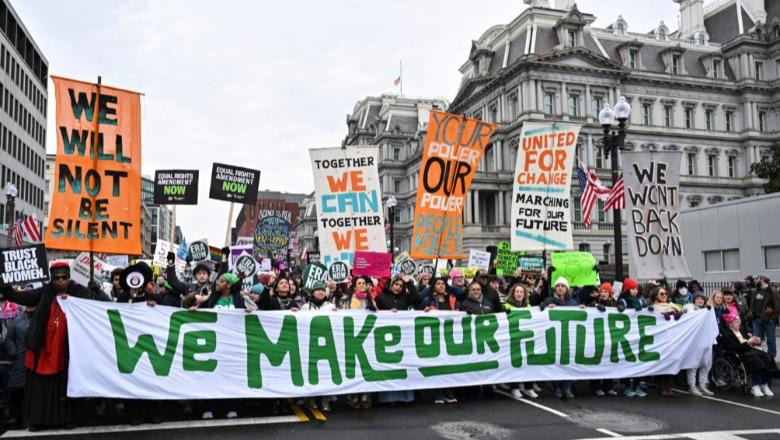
{"x":231,"y":278}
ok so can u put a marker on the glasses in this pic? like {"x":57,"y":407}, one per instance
{"x":61,"y":278}
{"x":661,"y":293}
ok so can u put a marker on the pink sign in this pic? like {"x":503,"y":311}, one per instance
{"x":374,"y":264}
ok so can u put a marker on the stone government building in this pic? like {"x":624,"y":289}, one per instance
{"x":708,"y":89}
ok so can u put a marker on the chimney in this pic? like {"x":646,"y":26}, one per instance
{"x":691,"y":17}
{"x":756,"y":9}
{"x":564,"y":5}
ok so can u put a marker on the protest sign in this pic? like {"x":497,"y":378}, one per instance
{"x":338,"y":271}
{"x":313,"y":257}
{"x":426,"y":269}
{"x":350,"y":216}
{"x":183,"y":250}
{"x":79,"y":268}
{"x":235,"y":252}
{"x":312,"y":273}
{"x":652,"y":182}
{"x":373,"y":264}
{"x":407,"y":267}
{"x":272,"y":234}
{"x":246,"y":266}
{"x":96,"y":200}
{"x":579,"y":268}
{"x":265,"y":265}
{"x":244,"y":240}
{"x":176,"y":187}
{"x":199,"y":250}
{"x":531,"y":265}
{"x":453,"y":148}
{"x":506,"y":259}
{"x":160,"y":257}
{"x":23,"y":265}
{"x":234,"y":184}
{"x":479,"y":259}
{"x":286,"y":354}
{"x":117,"y":260}
{"x":541,"y":215}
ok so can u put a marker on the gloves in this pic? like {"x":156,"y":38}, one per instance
{"x":650,"y":308}
{"x":638,"y":307}
{"x":709,"y":307}
{"x":601,"y":307}
{"x":677,"y":316}
{"x":667,"y":317}
{"x":171,"y":258}
{"x":621,"y":307}
{"x":541,"y":307}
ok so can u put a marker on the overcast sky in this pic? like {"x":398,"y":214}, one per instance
{"x":256,"y":84}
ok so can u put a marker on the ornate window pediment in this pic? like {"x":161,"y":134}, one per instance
{"x":692,"y":149}
{"x":671,"y":148}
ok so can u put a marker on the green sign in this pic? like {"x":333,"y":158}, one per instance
{"x":579,"y":268}
{"x":506,"y":260}
{"x":312,"y":273}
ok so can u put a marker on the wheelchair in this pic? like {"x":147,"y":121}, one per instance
{"x":727,"y":371}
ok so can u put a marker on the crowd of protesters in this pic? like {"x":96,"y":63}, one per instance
{"x":34,"y":334}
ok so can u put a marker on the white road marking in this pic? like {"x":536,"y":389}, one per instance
{"x":697,"y":435}
{"x":150,"y":427}
{"x":608,"y":432}
{"x":537,"y":405}
{"x":743,"y":405}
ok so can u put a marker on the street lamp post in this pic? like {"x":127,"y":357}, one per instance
{"x":613,"y":143}
{"x":10,"y":211}
{"x":391,"y":203}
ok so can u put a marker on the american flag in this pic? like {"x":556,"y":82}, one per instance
{"x":397,"y":81}
{"x":617,"y":197}
{"x":590,"y":190}
{"x":17,"y":234}
{"x":31,"y":229}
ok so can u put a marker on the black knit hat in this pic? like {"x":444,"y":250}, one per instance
{"x":680,"y":283}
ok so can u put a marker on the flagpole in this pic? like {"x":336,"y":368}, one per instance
{"x":401,"y":75}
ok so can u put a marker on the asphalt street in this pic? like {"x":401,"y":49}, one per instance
{"x":729,"y":415}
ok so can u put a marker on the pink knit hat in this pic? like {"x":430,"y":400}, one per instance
{"x":454,"y":273}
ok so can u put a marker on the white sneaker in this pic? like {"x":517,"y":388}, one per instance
{"x":695,"y":391}
{"x":530,"y":393}
{"x":232,"y":414}
{"x":706,"y":391}
{"x":756,"y":391}
{"x":208,"y":415}
{"x":767,"y":392}
{"x":537,"y":389}
{"x":517,"y":394}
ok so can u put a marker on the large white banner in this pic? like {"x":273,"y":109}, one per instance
{"x":541,"y":215}
{"x":166,"y":353}
{"x":350,"y":215}
{"x":652,"y":182}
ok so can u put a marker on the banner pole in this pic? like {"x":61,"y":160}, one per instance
{"x":227,"y":231}
{"x":95,"y":137}
{"x":173,"y":224}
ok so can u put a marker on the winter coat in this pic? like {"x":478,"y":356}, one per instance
{"x":754,"y":360}
{"x":407,"y":299}
{"x":16,"y":347}
{"x":482,"y":306}
{"x":555,"y":299}
{"x":325,"y":307}
{"x":764,"y":305}
{"x":450,"y":301}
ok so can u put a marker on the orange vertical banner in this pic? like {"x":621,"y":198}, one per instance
{"x":96,"y":202}
{"x":454,"y":145}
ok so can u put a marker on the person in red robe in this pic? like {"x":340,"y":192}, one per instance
{"x":46,"y":404}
